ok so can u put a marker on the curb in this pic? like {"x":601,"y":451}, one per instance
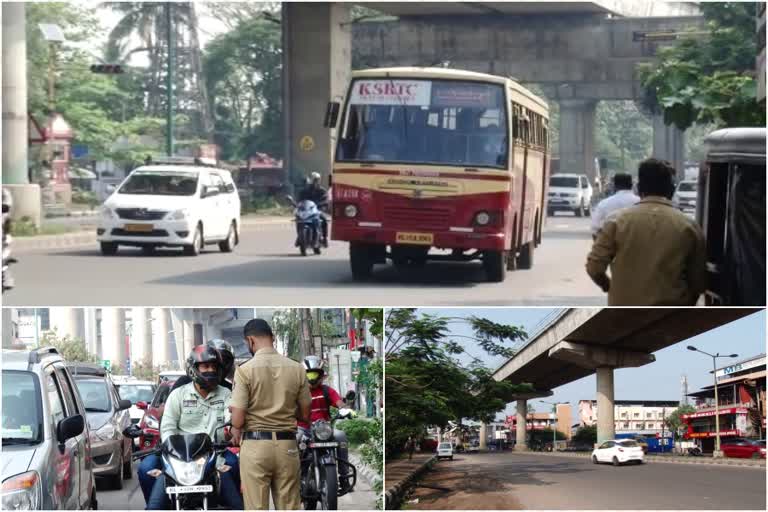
{"x":394,"y":495}
{"x":747,"y":463}
{"x":364,"y":470}
{"x":83,"y":237}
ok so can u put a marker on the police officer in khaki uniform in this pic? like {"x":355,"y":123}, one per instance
{"x":270,"y":393}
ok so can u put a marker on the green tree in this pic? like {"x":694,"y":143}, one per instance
{"x":586,"y":434}
{"x":71,"y":349}
{"x":674,"y":421}
{"x":709,"y":79}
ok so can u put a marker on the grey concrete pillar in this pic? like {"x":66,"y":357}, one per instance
{"x":317,"y":59}
{"x":520,"y":431}
{"x":606,"y":428}
{"x":26,"y":197}
{"x":9,"y":330}
{"x":141,"y":335}
{"x":67,"y":322}
{"x":669,"y":144}
{"x":113,"y":335}
{"x":160,"y":340}
{"x":483,"y":437}
{"x":577,"y":137}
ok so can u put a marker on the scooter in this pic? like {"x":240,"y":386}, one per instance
{"x":308,"y":218}
{"x":320,"y":477}
{"x":191,"y":465}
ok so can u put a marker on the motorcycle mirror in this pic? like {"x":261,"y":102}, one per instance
{"x":133,"y":432}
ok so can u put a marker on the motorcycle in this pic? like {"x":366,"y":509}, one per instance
{"x":191,"y":465}
{"x":320,"y":477}
{"x":308,"y":218}
{"x":8,"y":260}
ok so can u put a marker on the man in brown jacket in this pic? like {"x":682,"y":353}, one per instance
{"x":656,"y":254}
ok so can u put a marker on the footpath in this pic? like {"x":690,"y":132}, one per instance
{"x":400,"y":474}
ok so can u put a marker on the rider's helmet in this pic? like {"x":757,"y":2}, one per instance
{"x":204,"y":354}
{"x":314,"y":178}
{"x":314,"y":367}
{"x":226,"y":355}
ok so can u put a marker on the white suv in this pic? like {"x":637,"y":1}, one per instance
{"x":172,"y":204}
{"x":569,"y":192}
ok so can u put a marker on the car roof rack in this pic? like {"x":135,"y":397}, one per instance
{"x":78,"y":368}
{"x":180,"y":160}
{"x":36,"y":355}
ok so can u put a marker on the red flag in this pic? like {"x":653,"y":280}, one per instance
{"x":352,"y":339}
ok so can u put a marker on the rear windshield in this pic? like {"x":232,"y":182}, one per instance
{"x":628,"y":443}
{"x":160,"y":184}
{"x":687,"y":186}
{"x":136,"y":392}
{"x":162,"y":395}
{"x":22,"y":421}
{"x":564,"y":181}
{"x":444,"y":446}
{"x":95,"y":395}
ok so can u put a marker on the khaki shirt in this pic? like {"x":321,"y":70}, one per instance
{"x":187,"y":412}
{"x":269,"y":388}
{"x":656,"y":254}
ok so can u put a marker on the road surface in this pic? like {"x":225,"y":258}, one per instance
{"x":509,"y":480}
{"x":266,"y":270}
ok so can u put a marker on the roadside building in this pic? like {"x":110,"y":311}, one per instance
{"x":561,"y":420}
{"x":631,"y":416}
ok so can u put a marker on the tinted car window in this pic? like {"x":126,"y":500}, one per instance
{"x":687,"y":186}
{"x":22,"y":414}
{"x":564,"y":181}
{"x":55,"y":400}
{"x":95,"y":395}
{"x":69,"y":393}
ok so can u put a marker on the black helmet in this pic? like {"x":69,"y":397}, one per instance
{"x":204,"y":354}
{"x":314,"y":367}
{"x":226,"y":356}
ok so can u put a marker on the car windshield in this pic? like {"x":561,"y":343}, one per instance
{"x":418,"y":121}
{"x":628,"y":443}
{"x":22,"y":421}
{"x":162,"y":395}
{"x":564,"y":181}
{"x":95,"y":395}
{"x":687,"y":186}
{"x":136,"y":392}
{"x":160,"y":184}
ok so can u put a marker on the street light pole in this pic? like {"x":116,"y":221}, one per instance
{"x":169,"y":82}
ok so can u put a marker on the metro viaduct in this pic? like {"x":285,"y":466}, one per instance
{"x":581,"y":342}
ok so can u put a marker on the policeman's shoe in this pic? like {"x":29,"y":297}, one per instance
{"x":325,"y":243}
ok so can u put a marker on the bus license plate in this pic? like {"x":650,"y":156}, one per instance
{"x":139,"y":228}
{"x":323,"y":445}
{"x":415,"y":238}
{"x":185,"y":489}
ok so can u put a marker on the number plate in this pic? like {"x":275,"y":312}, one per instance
{"x":415,"y":238}
{"x":139,"y":228}
{"x":185,"y":489}
{"x":323,"y":445}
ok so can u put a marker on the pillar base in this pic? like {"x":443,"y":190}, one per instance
{"x":520,"y":448}
{"x":718,"y":454}
{"x":26,"y":202}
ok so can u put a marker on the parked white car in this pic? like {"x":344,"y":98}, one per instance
{"x":618,"y":451}
{"x":444,"y":451}
{"x":179,"y":203}
{"x":685,"y":196}
{"x":135,"y":391}
{"x":569,"y":192}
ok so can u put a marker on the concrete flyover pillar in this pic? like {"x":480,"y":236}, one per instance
{"x":577,"y":137}
{"x":483,"y":437}
{"x":67,"y":322}
{"x":26,"y":197}
{"x":160,"y":328}
{"x":317,"y":59}
{"x":113,"y":336}
{"x":669,"y":144}
{"x":606,"y":428}
{"x":520,"y":429}
{"x":141,"y":335}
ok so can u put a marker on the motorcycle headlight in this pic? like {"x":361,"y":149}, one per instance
{"x":323,"y":430}
{"x":152,"y":422}
{"x":178,"y":214}
{"x":188,"y":473}
{"x":106,"y":432}
{"x":107,"y":212}
{"x":22,"y":492}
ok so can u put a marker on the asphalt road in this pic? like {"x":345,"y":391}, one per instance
{"x":266,"y":270}
{"x":130,"y":496}
{"x":527,"y":481}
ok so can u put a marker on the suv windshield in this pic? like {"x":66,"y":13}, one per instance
{"x":22,"y":421}
{"x":686,"y":186}
{"x":95,"y":395}
{"x":136,"y":392}
{"x":418,"y":121}
{"x":444,"y":446}
{"x":147,"y":183}
{"x":564,"y":181}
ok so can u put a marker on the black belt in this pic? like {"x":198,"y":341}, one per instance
{"x":267,"y":436}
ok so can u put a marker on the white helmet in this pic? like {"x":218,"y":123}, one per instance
{"x":314,"y":177}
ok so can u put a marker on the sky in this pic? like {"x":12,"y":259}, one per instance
{"x":659,"y":380}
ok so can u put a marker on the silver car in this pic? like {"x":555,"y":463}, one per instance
{"x":107,"y":417}
{"x":46,"y":462}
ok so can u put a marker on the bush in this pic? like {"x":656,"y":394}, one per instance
{"x":359,"y":431}
{"x":71,"y":349}
{"x":23,"y":227}
{"x":84,"y":197}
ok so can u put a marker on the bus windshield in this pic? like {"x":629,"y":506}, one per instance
{"x":420,"y":121}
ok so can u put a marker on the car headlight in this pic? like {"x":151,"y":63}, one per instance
{"x":151,"y":421}
{"x":350,"y":211}
{"x":106,"y":432}
{"x":22,"y":492}
{"x":323,"y":430}
{"x":107,"y":212}
{"x":188,"y":473}
{"x":181,"y":214}
{"x":482,"y":218}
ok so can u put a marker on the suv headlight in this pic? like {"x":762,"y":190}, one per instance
{"x":188,"y":473}
{"x":181,"y":214}
{"x":151,"y":421}
{"x":323,"y":430}
{"x":22,"y":492}
{"x":107,"y":212}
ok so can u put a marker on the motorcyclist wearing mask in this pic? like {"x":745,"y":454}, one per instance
{"x":202,"y":406}
{"x":323,"y":398}
{"x":318,"y":195}
{"x":227,"y":355}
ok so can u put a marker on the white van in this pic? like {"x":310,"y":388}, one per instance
{"x":178,"y":203}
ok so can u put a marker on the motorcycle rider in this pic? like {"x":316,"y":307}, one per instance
{"x":323,"y":398}
{"x":318,"y":195}
{"x":202,"y":406}
{"x":7,"y":260}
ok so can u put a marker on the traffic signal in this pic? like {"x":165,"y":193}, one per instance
{"x":107,"y":69}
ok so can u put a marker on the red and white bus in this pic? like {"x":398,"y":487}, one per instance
{"x":439,"y":164}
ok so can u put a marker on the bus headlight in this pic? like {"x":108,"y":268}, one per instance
{"x":482,"y":218}
{"x":350,"y":211}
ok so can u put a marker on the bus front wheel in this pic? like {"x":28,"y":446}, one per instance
{"x":361,"y":261}
{"x":525,"y":259}
{"x":495,"y":265}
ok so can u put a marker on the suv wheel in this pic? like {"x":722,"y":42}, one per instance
{"x":197,"y":243}
{"x":108,"y":248}
{"x":580,"y":210}
{"x":228,"y":245}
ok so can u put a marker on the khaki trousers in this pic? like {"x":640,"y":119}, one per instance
{"x":270,"y":466}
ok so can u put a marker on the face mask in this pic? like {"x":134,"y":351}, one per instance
{"x":313,"y":377}
{"x":211,"y":379}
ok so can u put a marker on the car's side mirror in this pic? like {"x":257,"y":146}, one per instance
{"x":124,"y":404}
{"x":332,"y":114}
{"x":142,"y":405}
{"x":110,"y":189}
{"x":69,"y":428}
